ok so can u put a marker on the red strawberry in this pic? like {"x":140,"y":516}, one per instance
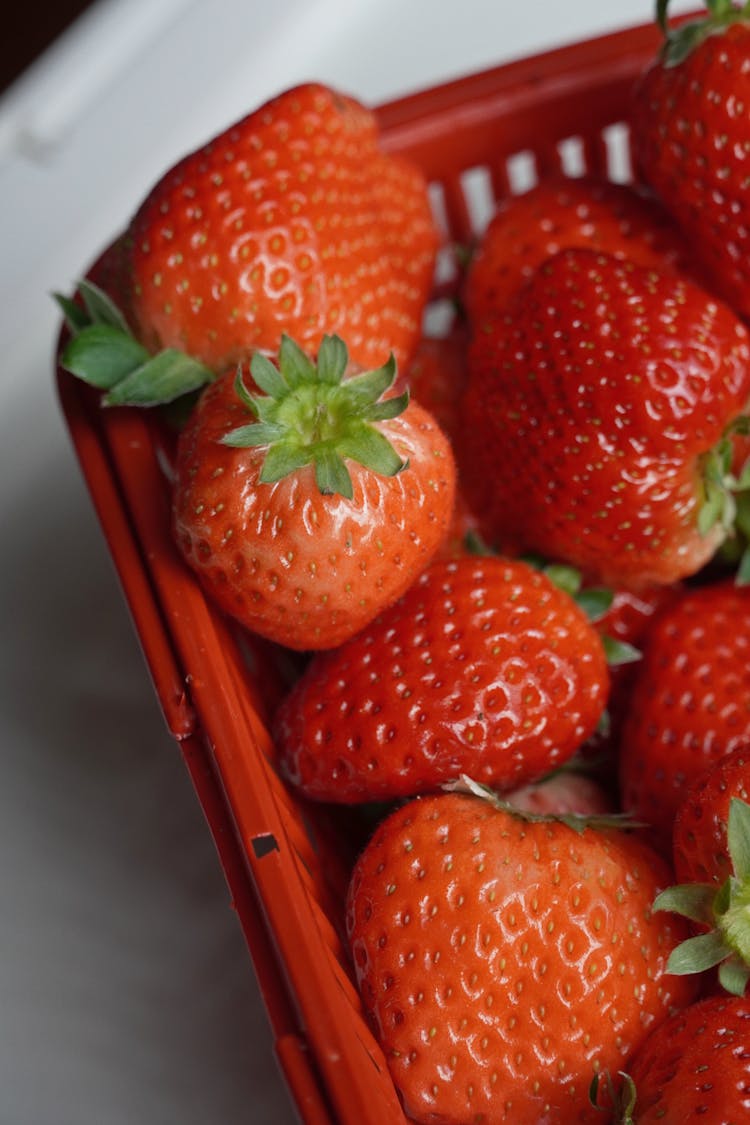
{"x":558,"y":214}
{"x":595,"y":416}
{"x":283,"y":535}
{"x":691,"y":134}
{"x":503,"y":961}
{"x":699,"y":837}
{"x":291,"y":221}
{"x":695,"y":1067}
{"x":688,"y":702}
{"x":482,"y":667}
{"x":711,"y":846}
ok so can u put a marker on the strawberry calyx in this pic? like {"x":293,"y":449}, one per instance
{"x":682,"y":40}
{"x":726,"y":497}
{"x":103,"y":352}
{"x":309,"y":413}
{"x":579,"y":822}
{"x":723,"y":914}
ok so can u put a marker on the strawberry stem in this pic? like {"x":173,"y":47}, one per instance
{"x":310,"y":413}
{"x":725,"y":913}
{"x":680,"y":41}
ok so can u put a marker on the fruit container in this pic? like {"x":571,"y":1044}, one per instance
{"x":286,"y":861}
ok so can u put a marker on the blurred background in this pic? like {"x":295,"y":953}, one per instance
{"x":126,"y":993}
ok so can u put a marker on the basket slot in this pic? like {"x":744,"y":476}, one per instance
{"x":572,"y":157}
{"x":619,"y":155}
{"x":478,"y":192}
{"x":521,"y":172}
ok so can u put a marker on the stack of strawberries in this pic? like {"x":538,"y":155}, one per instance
{"x":514,"y":559}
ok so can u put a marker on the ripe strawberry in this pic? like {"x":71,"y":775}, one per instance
{"x":502,"y":961}
{"x":695,"y":1067}
{"x":283,"y":535}
{"x":555,"y":215}
{"x":711,"y":848}
{"x":691,"y":133}
{"x":688,"y":702}
{"x":595,"y":419}
{"x":699,"y":837}
{"x":483,"y":666}
{"x":291,"y":221}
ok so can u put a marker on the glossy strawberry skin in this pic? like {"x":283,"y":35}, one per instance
{"x":695,"y":1066}
{"x":587,"y":409}
{"x":558,"y":214}
{"x":300,"y":568}
{"x":292,"y":220}
{"x":501,"y":961}
{"x":688,"y":703}
{"x":481,"y":667}
{"x":699,"y":837}
{"x":690,"y":136}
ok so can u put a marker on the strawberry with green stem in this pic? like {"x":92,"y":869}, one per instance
{"x":309,"y":502}
{"x":720,"y":910}
{"x":691,"y":133}
{"x":592,"y":412}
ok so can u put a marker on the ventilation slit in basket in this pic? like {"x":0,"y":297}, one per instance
{"x":572,"y":159}
{"x":522,"y":173}
{"x":619,"y":161}
{"x":476,"y":185}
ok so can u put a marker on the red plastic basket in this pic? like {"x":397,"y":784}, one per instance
{"x":286,"y":862}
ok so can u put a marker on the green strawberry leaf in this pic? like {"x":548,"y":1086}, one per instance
{"x":725,"y":912}
{"x":734,"y":975}
{"x":163,"y":378}
{"x":696,"y":954}
{"x":103,"y":352}
{"x":738,"y":838}
{"x":619,"y":652}
{"x":102,"y":355}
{"x":309,"y":413}
{"x":692,"y":900}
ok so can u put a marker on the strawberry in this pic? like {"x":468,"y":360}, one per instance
{"x":557,"y":214}
{"x":694,"y":1067}
{"x":700,"y":848}
{"x":691,"y":134}
{"x":688,"y":703}
{"x":307,"y":507}
{"x":291,"y":221}
{"x":482,"y":666}
{"x":503,"y":960}
{"x":711,"y":846}
{"x":596,"y":420}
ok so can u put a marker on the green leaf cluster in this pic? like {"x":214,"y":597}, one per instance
{"x":723,"y":914}
{"x":104,"y":353}
{"x":310,"y":413}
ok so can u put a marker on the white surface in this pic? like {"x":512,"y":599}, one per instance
{"x":126,"y":994}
